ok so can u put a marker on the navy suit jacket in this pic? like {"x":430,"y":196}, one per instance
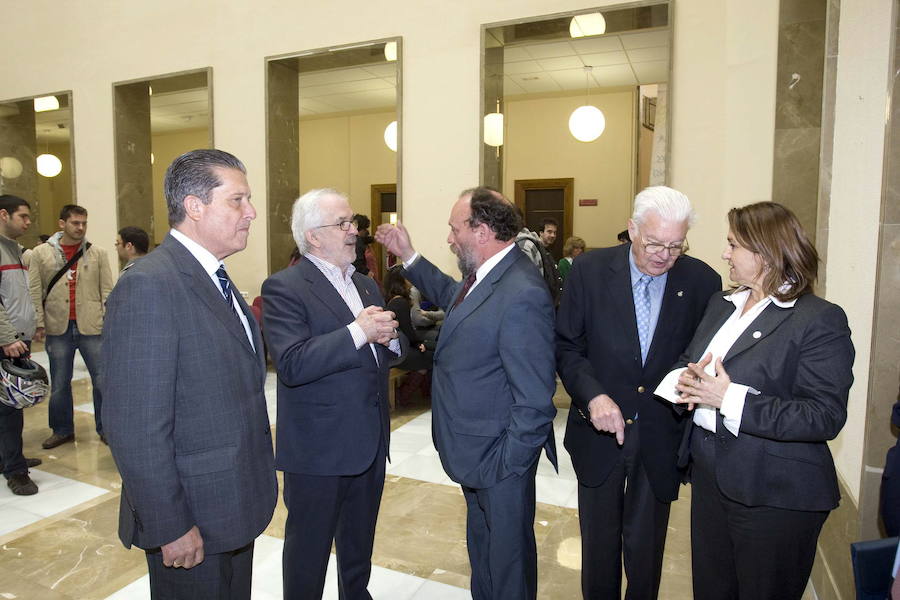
{"x":332,"y":398}
{"x":598,"y":352}
{"x":493,"y":379}
{"x":798,"y":362}
{"x":184,"y":408}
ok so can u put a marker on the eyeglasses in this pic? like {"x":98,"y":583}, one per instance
{"x":674,"y":249}
{"x":344,"y":225}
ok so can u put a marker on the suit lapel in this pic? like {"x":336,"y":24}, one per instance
{"x":709,"y":328}
{"x":324,"y":291}
{"x":254,"y":332}
{"x":202,"y":286}
{"x":623,"y":298}
{"x":762,"y":326}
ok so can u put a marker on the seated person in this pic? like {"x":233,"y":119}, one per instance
{"x":419,"y":359}
{"x":427,"y":323}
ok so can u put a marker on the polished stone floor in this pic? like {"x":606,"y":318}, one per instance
{"x":62,"y":543}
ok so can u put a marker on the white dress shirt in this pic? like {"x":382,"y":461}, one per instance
{"x":481,"y":272}
{"x":343,"y":284}
{"x":732,"y":408}
{"x":211,"y":264}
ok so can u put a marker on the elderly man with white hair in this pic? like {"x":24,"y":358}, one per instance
{"x":626,"y":315}
{"x":332,"y":343}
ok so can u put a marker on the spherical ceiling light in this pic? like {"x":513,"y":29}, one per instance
{"x":48,"y":165}
{"x":390,"y":51}
{"x":493,"y":129}
{"x":587,"y":123}
{"x":10,"y":167}
{"x":390,"y":135}
{"x":585,"y":25}
{"x":45,"y":103}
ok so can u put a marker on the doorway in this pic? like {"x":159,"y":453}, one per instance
{"x":541,"y":199}
{"x":384,"y":210}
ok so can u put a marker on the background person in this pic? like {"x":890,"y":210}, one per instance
{"x":132,"y":243}
{"x":573,"y":247}
{"x":769,"y":372}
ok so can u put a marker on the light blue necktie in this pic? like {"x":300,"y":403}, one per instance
{"x":642,"y":313}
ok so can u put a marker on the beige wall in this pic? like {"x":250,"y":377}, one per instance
{"x":347,"y":153}
{"x":539,"y":146}
{"x":166,"y":148}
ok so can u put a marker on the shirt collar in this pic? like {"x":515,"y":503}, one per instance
{"x":490,"y":263}
{"x":739,"y":297}
{"x":206,"y":259}
{"x":330,"y":269}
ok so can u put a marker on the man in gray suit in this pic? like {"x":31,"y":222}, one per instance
{"x":492,"y":384}
{"x":184,"y":409}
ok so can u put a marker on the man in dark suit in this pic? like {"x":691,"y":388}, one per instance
{"x":626,"y":315}
{"x":492,"y":384}
{"x":332,"y":343}
{"x":184,"y":408}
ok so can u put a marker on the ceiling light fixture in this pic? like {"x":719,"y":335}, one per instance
{"x":390,"y":51}
{"x":45,"y":103}
{"x":586,"y":25}
{"x":390,"y":135}
{"x":493,"y":128}
{"x":48,"y":165}
{"x":587,"y":122}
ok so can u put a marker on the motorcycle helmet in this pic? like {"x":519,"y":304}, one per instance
{"x":25,"y":382}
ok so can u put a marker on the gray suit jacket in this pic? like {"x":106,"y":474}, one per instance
{"x":494,"y":372}
{"x":184,"y":409}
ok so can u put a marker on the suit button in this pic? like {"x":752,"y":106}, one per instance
{"x":629,"y":421}
{"x":640,"y":389}
{"x":267,"y":430}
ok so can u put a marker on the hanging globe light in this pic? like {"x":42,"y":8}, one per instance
{"x":587,"y":123}
{"x":390,"y":51}
{"x":585,"y":25}
{"x":493,"y":129}
{"x":48,"y":165}
{"x":45,"y":103}
{"x":10,"y":167}
{"x":390,"y":135}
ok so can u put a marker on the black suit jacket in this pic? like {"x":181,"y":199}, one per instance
{"x":332,"y":398}
{"x":598,"y":352}
{"x":184,"y":407}
{"x":798,"y":362}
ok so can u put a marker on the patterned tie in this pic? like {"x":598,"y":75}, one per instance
{"x":642,"y":312}
{"x":226,"y":285}
{"x":470,"y":281}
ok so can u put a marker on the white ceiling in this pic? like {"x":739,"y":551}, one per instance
{"x":348,"y":89}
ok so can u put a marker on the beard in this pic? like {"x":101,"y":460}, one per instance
{"x":465,"y":260}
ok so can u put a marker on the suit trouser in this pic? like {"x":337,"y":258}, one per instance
{"x":221,"y":576}
{"x":622,"y":511}
{"x":746,"y":552}
{"x":325,"y":508}
{"x":12,"y":461}
{"x":500,"y":538}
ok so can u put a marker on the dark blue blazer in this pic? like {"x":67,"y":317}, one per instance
{"x":598,"y":352}
{"x":798,"y":362}
{"x":493,"y":380}
{"x":332,"y":398}
{"x":184,"y":407}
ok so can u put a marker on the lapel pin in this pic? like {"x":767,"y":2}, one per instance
{"x":679,"y":293}
{"x":757,"y":335}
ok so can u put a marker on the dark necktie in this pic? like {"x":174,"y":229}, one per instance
{"x":470,"y":281}
{"x":226,"y":285}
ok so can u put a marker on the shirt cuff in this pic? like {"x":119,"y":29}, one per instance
{"x":359,"y":338}
{"x":408,"y":263}
{"x":732,"y":408}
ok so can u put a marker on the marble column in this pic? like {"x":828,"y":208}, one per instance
{"x":492,"y":158}
{"x":134,"y":173}
{"x":283,"y":139}
{"x":18,"y":142}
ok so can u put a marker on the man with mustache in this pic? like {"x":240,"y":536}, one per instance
{"x":332,"y":342}
{"x":492,"y":384}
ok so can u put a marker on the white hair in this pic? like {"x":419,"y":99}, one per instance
{"x":671,"y":205}
{"x":307,"y":214}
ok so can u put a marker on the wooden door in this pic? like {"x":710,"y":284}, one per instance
{"x":541,"y":199}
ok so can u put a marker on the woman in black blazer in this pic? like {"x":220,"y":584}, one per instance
{"x":770,"y":374}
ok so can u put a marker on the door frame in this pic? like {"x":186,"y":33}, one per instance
{"x":567,"y":184}
{"x":375,"y":217}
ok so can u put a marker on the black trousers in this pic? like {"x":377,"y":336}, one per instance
{"x":500,"y":538}
{"x":322,"y":509}
{"x":745,"y":552}
{"x":12,"y":461}
{"x":622,"y":518}
{"x":222,"y":576}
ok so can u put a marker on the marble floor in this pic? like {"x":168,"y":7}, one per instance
{"x":62,"y":543}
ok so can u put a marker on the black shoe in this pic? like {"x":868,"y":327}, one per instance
{"x":56,"y":440}
{"x":22,"y":485}
{"x":32,"y":462}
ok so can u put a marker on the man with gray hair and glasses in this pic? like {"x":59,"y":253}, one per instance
{"x":626,"y":315}
{"x":332,"y":343}
{"x":184,"y":405}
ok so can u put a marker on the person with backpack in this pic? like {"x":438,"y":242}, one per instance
{"x":70,"y":280}
{"x":530,"y":243}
